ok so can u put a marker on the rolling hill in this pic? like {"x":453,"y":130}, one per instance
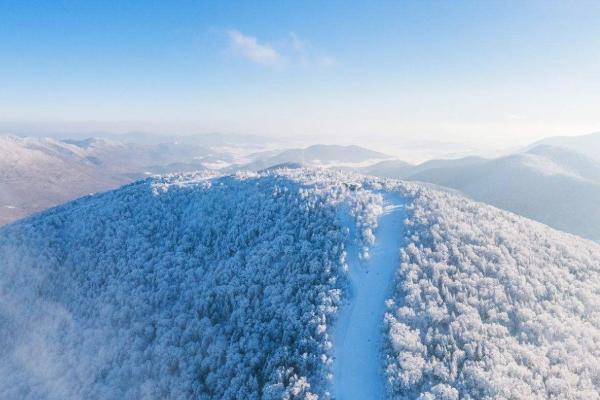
{"x":252,"y":286}
{"x":588,"y":145}
{"x":37,"y":173}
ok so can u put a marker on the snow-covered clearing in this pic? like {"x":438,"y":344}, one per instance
{"x":358,"y":367}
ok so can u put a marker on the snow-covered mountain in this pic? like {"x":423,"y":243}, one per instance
{"x":140,"y":158}
{"x":37,"y":173}
{"x":254,"y":286}
{"x":588,"y":145}
{"x":553,"y":185}
{"x":399,"y":169}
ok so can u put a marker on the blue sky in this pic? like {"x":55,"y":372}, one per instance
{"x":479,"y":72}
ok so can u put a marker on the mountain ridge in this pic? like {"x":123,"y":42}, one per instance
{"x":230,"y":287}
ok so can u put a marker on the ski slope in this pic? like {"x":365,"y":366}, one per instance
{"x":358,"y":367}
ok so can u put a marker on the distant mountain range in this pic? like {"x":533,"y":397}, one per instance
{"x":554,"y":185}
{"x":588,"y":145}
{"x":37,"y":173}
{"x":555,"y":181}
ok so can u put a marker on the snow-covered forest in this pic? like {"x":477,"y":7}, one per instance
{"x":489,"y":305}
{"x":188,"y":286}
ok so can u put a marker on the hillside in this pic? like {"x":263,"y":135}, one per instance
{"x":553,"y":185}
{"x":139,"y":158}
{"x":588,"y":145}
{"x":37,"y":173}
{"x":238,"y":288}
{"x":397,"y":169}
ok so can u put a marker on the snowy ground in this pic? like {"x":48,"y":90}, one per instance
{"x":228,"y":288}
{"x":358,"y":367}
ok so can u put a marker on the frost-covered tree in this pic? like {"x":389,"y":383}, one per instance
{"x":489,"y":305}
{"x":177,"y":287}
{"x":228,"y":288}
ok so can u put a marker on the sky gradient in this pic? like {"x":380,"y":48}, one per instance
{"x":479,"y":73}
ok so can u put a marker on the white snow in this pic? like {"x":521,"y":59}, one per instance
{"x":179,"y":287}
{"x":489,"y":305}
{"x":358,"y":371}
{"x":228,"y":288}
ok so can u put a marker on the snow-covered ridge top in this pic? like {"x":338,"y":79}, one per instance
{"x":178,"y":287}
{"x":226,"y":287}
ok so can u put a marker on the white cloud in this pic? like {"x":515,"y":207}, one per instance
{"x":295,"y":51}
{"x":297,"y":44}
{"x":251,"y":49}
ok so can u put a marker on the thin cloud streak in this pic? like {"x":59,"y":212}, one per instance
{"x":250,"y":48}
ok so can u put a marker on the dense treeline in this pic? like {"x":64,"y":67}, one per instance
{"x":228,"y":288}
{"x":179,"y":287}
{"x":489,"y":305}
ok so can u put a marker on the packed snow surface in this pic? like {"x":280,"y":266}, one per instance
{"x":230,"y":288}
{"x":358,"y":372}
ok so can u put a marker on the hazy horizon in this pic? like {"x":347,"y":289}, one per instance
{"x":407,"y":149}
{"x":478,"y":76}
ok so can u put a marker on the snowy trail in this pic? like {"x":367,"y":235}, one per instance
{"x":358,"y":368}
